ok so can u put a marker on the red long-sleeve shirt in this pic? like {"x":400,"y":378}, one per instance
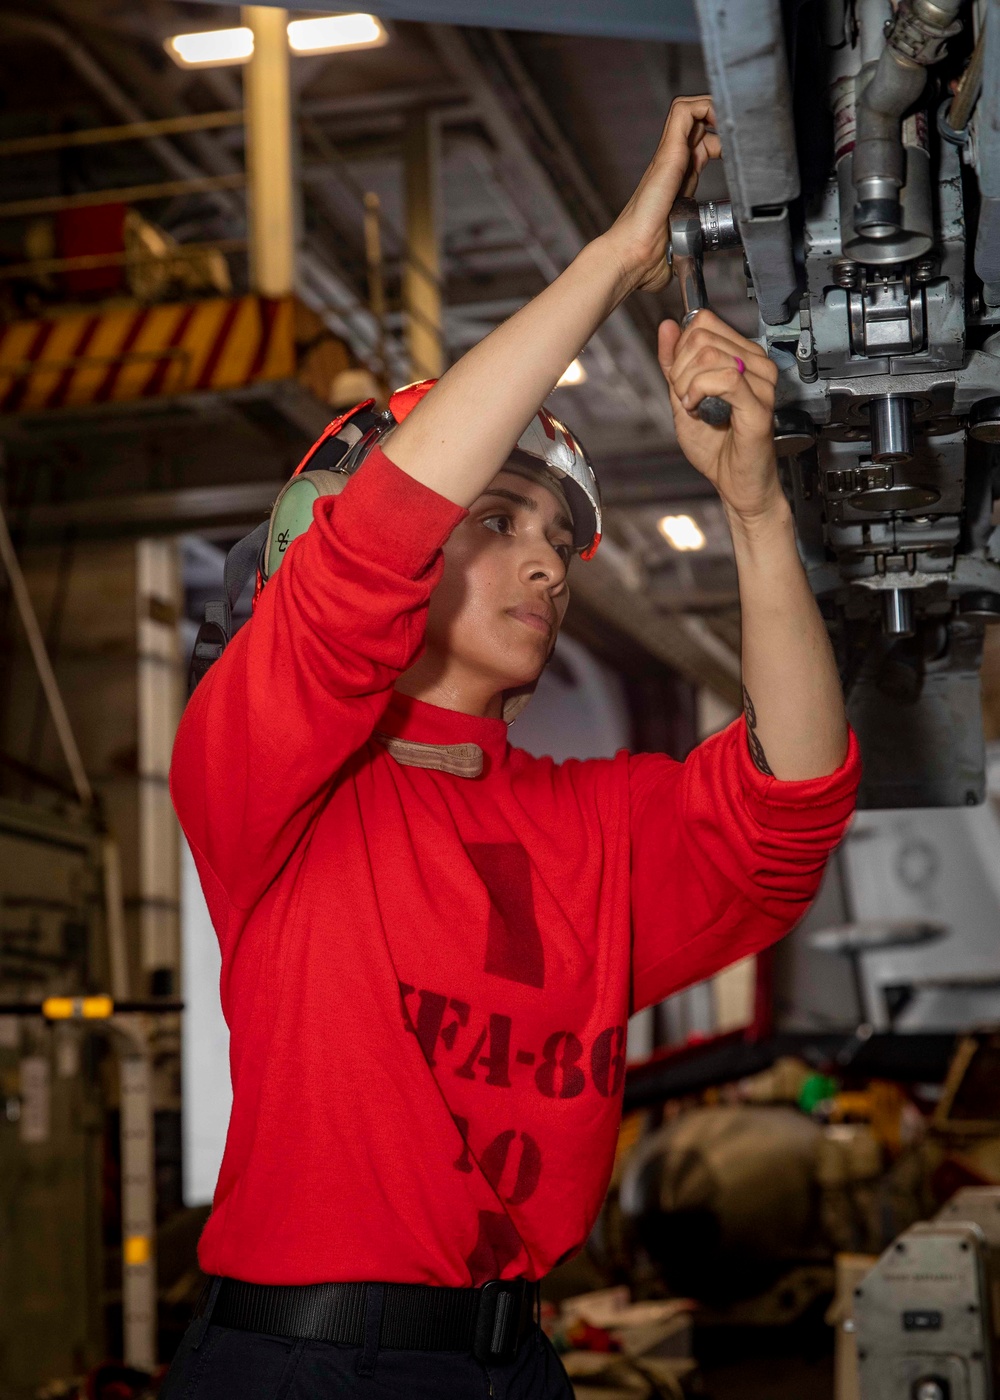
{"x":427,"y":976}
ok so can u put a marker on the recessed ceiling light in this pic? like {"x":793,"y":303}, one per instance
{"x":574,"y":374}
{"x":681,"y":532}
{"x":211,"y":48}
{"x":328,"y":33}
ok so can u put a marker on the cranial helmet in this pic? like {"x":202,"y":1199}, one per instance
{"x":546,"y":449}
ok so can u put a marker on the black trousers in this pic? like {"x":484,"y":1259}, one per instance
{"x":220,"y":1363}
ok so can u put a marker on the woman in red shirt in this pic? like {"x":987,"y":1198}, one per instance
{"x":431,"y":941}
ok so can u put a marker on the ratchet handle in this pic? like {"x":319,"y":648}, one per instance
{"x":714,"y":411}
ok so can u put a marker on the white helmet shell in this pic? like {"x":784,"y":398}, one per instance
{"x":551,"y":444}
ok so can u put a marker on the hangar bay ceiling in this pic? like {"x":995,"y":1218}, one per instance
{"x":535,"y":158}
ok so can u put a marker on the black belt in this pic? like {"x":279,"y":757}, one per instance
{"x":490,"y":1322}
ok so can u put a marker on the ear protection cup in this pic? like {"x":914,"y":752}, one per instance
{"x":292,"y":512}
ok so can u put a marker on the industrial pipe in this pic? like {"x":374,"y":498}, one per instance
{"x":897,"y":612}
{"x":892,"y":429}
{"x":917,"y":36}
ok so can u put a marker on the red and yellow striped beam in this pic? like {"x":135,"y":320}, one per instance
{"x":136,"y":352}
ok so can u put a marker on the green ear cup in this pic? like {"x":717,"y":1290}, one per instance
{"x":292,"y":512}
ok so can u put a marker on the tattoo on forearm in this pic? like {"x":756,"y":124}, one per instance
{"x":753,"y":739}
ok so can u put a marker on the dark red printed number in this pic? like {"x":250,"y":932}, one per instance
{"x":514,"y":947}
{"x":436,"y":1019}
{"x":463,"y":1162}
{"x":429,"y":1027}
{"x":607,"y":1061}
{"x":559,"y":1076}
{"x":497,"y":1059}
{"x":508,"y":1170}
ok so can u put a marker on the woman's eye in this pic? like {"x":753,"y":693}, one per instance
{"x":565,"y":552}
{"x":499,"y":524}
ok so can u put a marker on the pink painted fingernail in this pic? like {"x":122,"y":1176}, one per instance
{"x":686,"y":400}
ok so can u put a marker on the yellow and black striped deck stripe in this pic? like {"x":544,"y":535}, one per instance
{"x":134,"y":352}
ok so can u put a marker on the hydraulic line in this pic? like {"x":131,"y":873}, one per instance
{"x":917,"y":36}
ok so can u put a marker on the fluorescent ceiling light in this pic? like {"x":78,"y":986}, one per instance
{"x":682,"y":532}
{"x":327,"y":33}
{"x":575,"y":374}
{"x":219,"y":48}
{"x":211,"y":48}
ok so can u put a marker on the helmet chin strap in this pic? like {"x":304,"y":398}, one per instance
{"x":514,"y":701}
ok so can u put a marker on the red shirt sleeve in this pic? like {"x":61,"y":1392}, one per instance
{"x":302,"y":685}
{"x":724,"y":859}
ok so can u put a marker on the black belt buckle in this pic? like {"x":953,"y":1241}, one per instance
{"x":502,"y":1319}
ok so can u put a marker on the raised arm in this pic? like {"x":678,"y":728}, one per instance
{"x":725,"y":859}
{"x":796,"y":725}
{"x":462,"y":433}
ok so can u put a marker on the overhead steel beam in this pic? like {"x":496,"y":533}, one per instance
{"x":397,"y":99}
{"x":145,"y":512}
{"x":669,"y":20}
{"x":112,"y":135}
{"x":126,"y":194}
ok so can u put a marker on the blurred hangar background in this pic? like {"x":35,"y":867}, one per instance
{"x":217,"y":229}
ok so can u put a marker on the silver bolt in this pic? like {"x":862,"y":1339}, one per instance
{"x":923,"y":269}
{"x":846,"y":275}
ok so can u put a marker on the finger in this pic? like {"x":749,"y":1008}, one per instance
{"x":721,"y":381}
{"x":734,"y":387}
{"x":682,"y":371}
{"x":667,"y":336}
{"x":685,"y":111}
{"x":706,"y":149}
{"x":712,"y":360}
{"x":707,"y":322}
{"x":711,"y":146}
{"x":699,"y":336}
{"x":690,"y":394}
{"x":715,"y":354}
{"x":686,"y":114}
{"x":703,"y":353}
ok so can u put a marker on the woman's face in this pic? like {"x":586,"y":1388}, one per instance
{"x":503,"y":594}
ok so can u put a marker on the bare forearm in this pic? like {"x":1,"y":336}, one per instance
{"x":462,"y":434}
{"x":796,"y":724}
